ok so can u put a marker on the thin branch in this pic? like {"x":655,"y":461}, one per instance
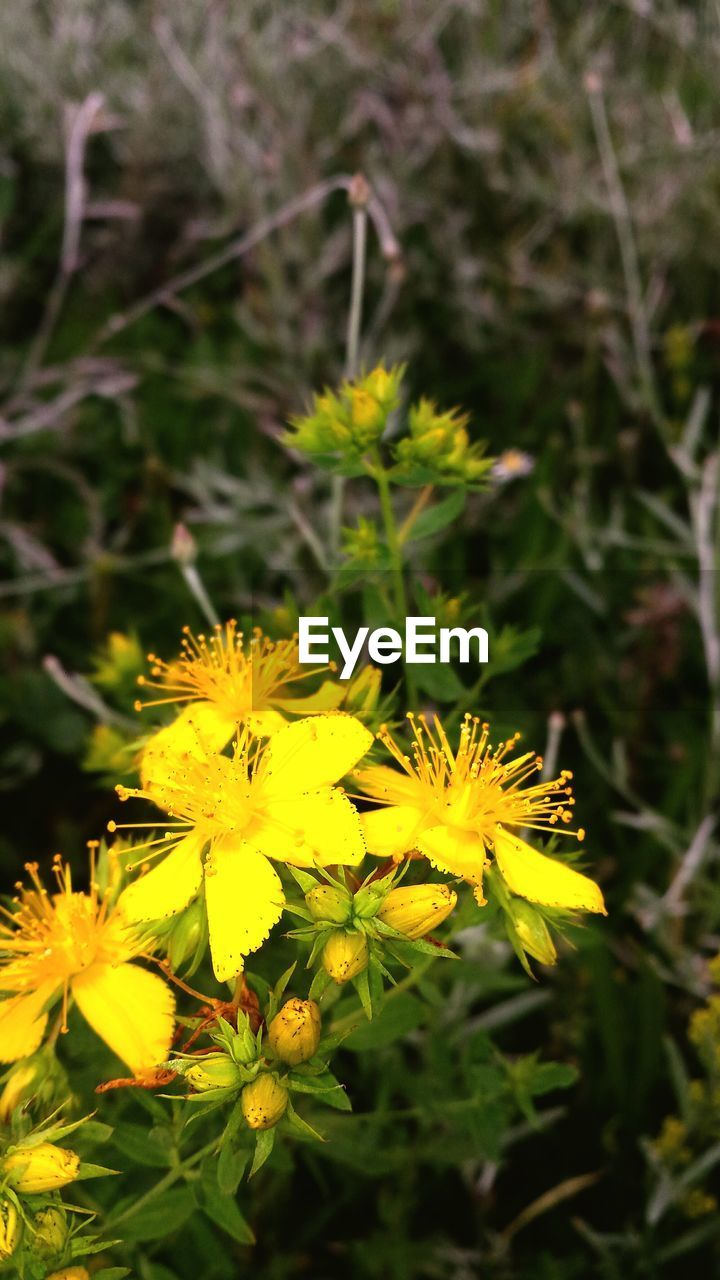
{"x":80,"y":128}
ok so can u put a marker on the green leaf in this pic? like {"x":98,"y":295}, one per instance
{"x":140,"y":1146}
{"x":223,"y":1211}
{"x":439,"y":516}
{"x":111,"y":1273}
{"x":161,"y":1217}
{"x":231,"y":1165}
{"x":399,"y":1015}
{"x":440,"y":682}
{"x":264,"y":1144}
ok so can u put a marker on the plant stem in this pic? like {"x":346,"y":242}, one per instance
{"x":352,"y":352}
{"x":394,"y":544}
{"x":419,"y":505}
{"x":170,"y":1178}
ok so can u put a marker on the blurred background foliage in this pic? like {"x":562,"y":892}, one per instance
{"x":176,"y":259}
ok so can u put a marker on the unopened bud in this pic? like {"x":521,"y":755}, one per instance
{"x":70,"y":1273}
{"x":363,"y":692}
{"x":367,"y":901}
{"x":345,"y":955}
{"x":11,"y":1229}
{"x":18,"y":1086}
{"x":213,"y":1071}
{"x":417,"y":909}
{"x":294,"y":1033}
{"x":183,"y":547}
{"x":46,"y":1167}
{"x":325,"y":902}
{"x":264,"y":1101}
{"x":188,"y":936}
{"x":51,"y":1231}
{"x":532,"y":932}
{"x":244,"y":1046}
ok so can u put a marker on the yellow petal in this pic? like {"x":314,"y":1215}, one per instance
{"x":244,"y":899}
{"x":199,"y":730}
{"x":168,"y":887}
{"x":380,"y":782}
{"x":392,"y":831}
{"x":323,"y":827}
{"x":22,"y":1022}
{"x":132,"y":1010}
{"x":313,"y":753}
{"x":462,"y":853}
{"x":264,"y":723}
{"x":538,"y":878}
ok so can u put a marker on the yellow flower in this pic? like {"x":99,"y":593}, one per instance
{"x":458,"y":806}
{"x":273,"y":800}
{"x":45,"y":1167}
{"x":70,"y":943}
{"x":226,"y":683}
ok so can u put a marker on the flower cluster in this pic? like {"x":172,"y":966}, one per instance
{"x":262,"y":791}
{"x":341,"y":428}
{"x":438,"y":449}
{"x":37,"y":1235}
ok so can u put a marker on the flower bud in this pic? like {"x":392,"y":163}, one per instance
{"x":294,"y":1033}
{"x":45,"y":1167}
{"x":213,"y":1071}
{"x":264,"y":1101}
{"x":368,"y":900}
{"x":532,"y":931}
{"x":244,"y":1046}
{"x":325,"y":902}
{"x":188,"y":936}
{"x":11,"y":1229}
{"x":363,"y":692}
{"x":18,"y":1086}
{"x":70,"y":1273}
{"x":417,"y":909}
{"x":345,"y":955}
{"x":51,"y":1231}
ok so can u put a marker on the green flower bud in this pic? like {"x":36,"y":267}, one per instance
{"x":325,"y":902}
{"x":294,"y":1033}
{"x":264,"y":1101}
{"x":363,"y":692}
{"x":345,"y":955}
{"x":532,"y":931}
{"x":11,"y":1229}
{"x":213,"y":1071}
{"x":244,"y":1045}
{"x":188,"y":935}
{"x":367,"y":901}
{"x":51,"y":1231}
{"x":416,"y":910}
{"x":46,"y":1167}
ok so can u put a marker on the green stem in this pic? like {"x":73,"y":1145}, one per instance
{"x":394,"y":545}
{"x":352,"y":353}
{"x":170,"y":1178}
